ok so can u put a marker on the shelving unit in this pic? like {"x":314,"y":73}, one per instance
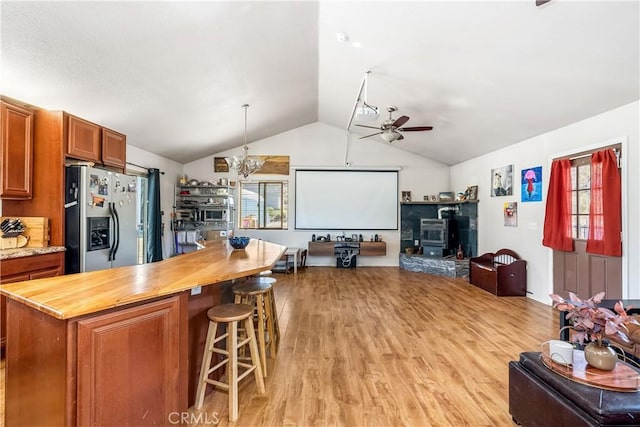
{"x":202,"y":212}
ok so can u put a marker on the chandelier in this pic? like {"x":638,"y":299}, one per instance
{"x":245,"y":164}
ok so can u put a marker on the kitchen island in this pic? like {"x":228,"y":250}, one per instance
{"x":119,"y":346}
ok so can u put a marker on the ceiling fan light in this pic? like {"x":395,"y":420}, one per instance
{"x":389,"y":136}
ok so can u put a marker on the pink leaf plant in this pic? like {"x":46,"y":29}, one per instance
{"x":590,"y":322}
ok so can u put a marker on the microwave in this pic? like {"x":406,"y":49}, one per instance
{"x":210,"y":214}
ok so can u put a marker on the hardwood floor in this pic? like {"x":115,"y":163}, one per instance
{"x":387,"y":347}
{"x":382,"y":346}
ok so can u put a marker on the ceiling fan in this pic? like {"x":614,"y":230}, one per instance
{"x":390,"y":129}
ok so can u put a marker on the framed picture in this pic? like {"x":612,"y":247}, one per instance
{"x":434,"y":198}
{"x":445,"y":196}
{"x":472,"y":192}
{"x":426,"y":198}
{"x":502,"y":181}
{"x":220,"y":164}
{"x":511,"y":214}
{"x":531,"y":184}
{"x":406,"y":196}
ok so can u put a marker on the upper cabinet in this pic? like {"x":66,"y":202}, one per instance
{"x":83,"y":141}
{"x":16,"y":155}
{"x":91,"y":142}
{"x":114,"y":148}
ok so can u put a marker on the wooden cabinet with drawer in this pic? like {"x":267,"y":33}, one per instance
{"x":26,"y":268}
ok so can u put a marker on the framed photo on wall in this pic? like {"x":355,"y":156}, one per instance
{"x":502,"y":181}
{"x":406,"y":196}
{"x":531,"y":184}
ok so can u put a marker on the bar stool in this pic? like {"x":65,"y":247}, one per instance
{"x":274,"y":311}
{"x":230,"y":314}
{"x":258,"y":292}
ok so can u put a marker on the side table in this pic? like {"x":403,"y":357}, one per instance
{"x":540,"y":397}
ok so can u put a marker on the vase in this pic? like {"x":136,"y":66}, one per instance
{"x":600,"y":356}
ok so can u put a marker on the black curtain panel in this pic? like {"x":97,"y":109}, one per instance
{"x":154,"y":220}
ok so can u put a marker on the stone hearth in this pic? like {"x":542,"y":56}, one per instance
{"x":448,"y":267}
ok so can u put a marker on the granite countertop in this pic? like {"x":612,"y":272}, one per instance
{"x":74,"y":295}
{"x":23,"y":252}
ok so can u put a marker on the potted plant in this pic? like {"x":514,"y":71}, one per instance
{"x":593,"y":324}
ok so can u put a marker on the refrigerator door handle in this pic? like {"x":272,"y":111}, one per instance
{"x":112,"y":247}
{"x":117,"y":231}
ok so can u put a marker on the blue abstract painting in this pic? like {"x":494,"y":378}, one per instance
{"x":531,"y":185}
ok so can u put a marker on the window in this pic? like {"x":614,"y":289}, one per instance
{"x":263,"y":205}
{"x":581,"y":192}
{"x":580,"y":197}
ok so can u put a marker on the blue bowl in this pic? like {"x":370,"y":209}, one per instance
{"x":239,"y":242}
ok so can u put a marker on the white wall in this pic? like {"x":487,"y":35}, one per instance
{"x":320,"y":145}
{"x":172,"y":172}
{"x":526,"y":238}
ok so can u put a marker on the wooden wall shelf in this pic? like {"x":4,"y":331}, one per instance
{"x":366,"y":248}
{"x":442,"y":202}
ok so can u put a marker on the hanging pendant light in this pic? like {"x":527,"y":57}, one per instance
{"x":245,"y":164}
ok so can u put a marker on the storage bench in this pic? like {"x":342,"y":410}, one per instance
{"x":502,"y":273}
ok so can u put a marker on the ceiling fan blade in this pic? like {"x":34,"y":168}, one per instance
{"x":373,"y":134}
{"x":415,"y":128}
{"x":541,"y":2}
{"x":370,"y":127}
{"x":400,"y":121}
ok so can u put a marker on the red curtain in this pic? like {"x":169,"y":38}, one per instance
{"x":557,"y":217}
{"x":605,"y":209}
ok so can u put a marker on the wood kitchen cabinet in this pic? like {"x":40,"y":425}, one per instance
{"x":125,"y":366}
{"x":83,"y":140}
{"x":16,"y":154}
{"x":91,"y":142}
{"x":114,"y":148}
{"x":144,"y":345}
{"x":26,"y":268}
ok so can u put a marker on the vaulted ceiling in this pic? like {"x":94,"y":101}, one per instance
{"x":174,"y":75}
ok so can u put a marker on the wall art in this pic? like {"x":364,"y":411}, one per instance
{"x":502,"y":181}
{"x":511,"y":214}
{"x":531,"y":183}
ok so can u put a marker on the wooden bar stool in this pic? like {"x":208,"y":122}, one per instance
{"x":230,"y":314}
{"x":258,"y":292}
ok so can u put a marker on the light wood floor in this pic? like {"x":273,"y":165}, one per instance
{"x":386,"y":347}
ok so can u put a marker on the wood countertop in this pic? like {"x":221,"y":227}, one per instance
{"x":73,"y":295}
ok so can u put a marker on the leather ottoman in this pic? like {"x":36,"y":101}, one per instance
{"x":540,"y":397}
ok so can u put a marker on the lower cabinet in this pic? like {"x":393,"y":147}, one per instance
{"x":125,"y":366}
{"x":137,"y":350}
{"x":26,"y":268}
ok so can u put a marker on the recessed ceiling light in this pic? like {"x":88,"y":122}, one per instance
{"x":342,"y":37}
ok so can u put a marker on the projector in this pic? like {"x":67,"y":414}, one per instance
{"x":367,"y":112}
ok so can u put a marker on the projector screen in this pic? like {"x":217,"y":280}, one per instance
{"x":346,"y":200}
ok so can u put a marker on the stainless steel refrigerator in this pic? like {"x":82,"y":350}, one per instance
{"x":104,"y":219}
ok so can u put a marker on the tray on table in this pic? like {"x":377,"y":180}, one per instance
{"x":623,"y":377}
